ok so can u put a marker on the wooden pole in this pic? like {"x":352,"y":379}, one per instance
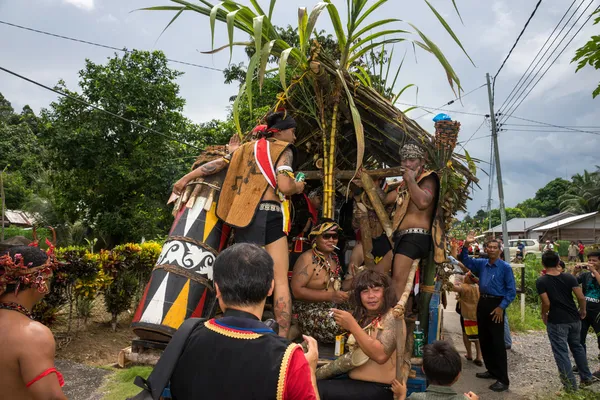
{"x":366,"y":237}
{"x":347,"y":175}
{"x":429,"y":270}
{"x":369,"y":187}
{"x":401,"y":330}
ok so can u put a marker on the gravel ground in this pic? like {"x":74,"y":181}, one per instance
{"x":81,"y":381}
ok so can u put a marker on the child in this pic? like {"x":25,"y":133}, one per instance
{"x":442,"y":366}
{"x":468,"y":298}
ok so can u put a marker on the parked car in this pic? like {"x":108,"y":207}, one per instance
{"x":532,"y":246}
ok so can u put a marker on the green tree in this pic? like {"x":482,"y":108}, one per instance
{"x":589,"y":54}
{"x":549,"y":194}
{"x":109,"y":173}
{"x":531,"y":208}
{"x":584,"y":194}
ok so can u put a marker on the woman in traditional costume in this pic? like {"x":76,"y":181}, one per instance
{"x":372,"y":329}
{"x":253,"y":201}
{"x":27,"y":358}
{"x":317,"y":285}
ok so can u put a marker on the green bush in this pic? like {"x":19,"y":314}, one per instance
{"x":532,"y":321}
{"x":563,"y":247}
{"x":42,"y":234}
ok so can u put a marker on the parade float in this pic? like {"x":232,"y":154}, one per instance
{"x":349,"y":130}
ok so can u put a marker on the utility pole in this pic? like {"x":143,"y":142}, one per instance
{"x":498,"y":171}
{"x":3,"y":203}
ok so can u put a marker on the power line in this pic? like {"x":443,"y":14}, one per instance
{"x":95,"y":107}
{"x":542,"y":127}
{"x":539,"y":131}
{"x":438,"y":108}
{"x":552,"y":125}
{"x":517,"y":87}
{"x":474,"y":133}
{"x":514,"y":108}
{"x":518,"y":38}
{"x":452,"y":101}
{"x":518,"y":98}
{"x":101,"y":45}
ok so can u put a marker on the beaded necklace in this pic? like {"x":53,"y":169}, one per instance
{"x":322,"y":262}
{"x":16,"y":307}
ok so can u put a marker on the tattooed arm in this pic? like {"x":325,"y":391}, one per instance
{"x":285,"y":183}
{"x":303,"y":272}
{"x":381,"y":349}
{"x":207,"y":169}
{"x":422,"y":193}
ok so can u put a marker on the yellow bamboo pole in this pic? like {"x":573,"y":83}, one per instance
{"x":328,"y":187}
{"x":377,"y":204}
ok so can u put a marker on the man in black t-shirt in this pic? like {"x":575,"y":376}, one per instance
{"x":562,"y":320}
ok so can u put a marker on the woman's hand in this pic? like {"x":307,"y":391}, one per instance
{"x":179,"y":186}
{"x":344,"y":319}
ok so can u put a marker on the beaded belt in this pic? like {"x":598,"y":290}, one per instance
{"x":592,"y":300}
{"x":269,"y":207}
{"x":420,"y":231}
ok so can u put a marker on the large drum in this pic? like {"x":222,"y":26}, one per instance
{"x":181,"y":283}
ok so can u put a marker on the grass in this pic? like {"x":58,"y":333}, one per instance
{"x":120,"y":385}
{"x":532,"y":322}
{"x":579,"y":395}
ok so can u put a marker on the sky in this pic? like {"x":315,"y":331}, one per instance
{"x":528,"y":159}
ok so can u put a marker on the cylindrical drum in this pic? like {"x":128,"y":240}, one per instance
{"x":181,"y":284}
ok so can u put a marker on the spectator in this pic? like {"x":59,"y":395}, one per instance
{"x":497,"y":291}
{"x":27,"y":368}
{"x":442,"y":367}
{"x":520,"y":250}
{"x":590,"y":284}
{"x":562,"y":320}
{"x":548,"y":247}
{"x":581,"y":250}
{"x":237,"y":356}
{"x":573,"y":252}
{"x":468,"y":293}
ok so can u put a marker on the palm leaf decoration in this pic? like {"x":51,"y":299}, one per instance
{"x":344,"y":113}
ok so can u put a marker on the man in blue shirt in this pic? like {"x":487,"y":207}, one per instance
{"x":497,"y":288}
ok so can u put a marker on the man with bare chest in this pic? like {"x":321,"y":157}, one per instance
{"x":415,"y":202}
{"x":317,"y":285}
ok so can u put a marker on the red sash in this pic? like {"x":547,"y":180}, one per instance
{"x":262,"y":155}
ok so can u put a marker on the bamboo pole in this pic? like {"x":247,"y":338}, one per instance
{"x":369,"y":187}
{"x":408,"y":352}
{"x":366,"y":237}
{"x":347,"y":175}
{"x":401,"y":330}
{"x":329,"y":162}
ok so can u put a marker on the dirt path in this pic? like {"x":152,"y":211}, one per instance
{"x":531,"y":367}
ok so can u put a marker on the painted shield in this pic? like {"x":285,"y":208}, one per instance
{"x":181,"y":283}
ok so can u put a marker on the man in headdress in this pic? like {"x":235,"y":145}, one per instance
{"x":317,"y":285}
{"x":414,"y":212}
{"x":253,"y":201}
{"x":27,"y":368}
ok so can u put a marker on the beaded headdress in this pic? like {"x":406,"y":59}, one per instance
{"x":411,"y":150}
{"x":14,"y":271}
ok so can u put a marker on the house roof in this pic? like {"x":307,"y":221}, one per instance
{"x":517,"y":225}
{"x":17,"y":217}
{"x":565,"y":221}
{"x":551,"y":218}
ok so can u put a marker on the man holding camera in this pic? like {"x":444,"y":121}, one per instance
{"x":590,"y":283}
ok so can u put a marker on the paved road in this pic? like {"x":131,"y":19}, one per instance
{"x":81,"y":381}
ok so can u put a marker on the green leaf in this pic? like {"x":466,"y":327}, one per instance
{"x":358,"y":126}
{"x":364,"y":75}
{"x":372,"y":26}
{"x":213,"y":18}
{"x":264,"y":60}
{"x":230,"y":20}
{"x":218,"y":49}
{"x":257,"y":7}
{"x":457,"y":12}
{"x":449,"y":30}
{"x":368,"y":12}
{"x":470,"y":163}
{"x":402,"y":91}
{"x":365,"y":49}
{"x":398,"y":71}
{"x":302,"y":23}
{"x":283,"y":60}
{"x":409,"y":109}
{"x":374,"y":36}
{"x":169,"y":24}
{"x":337,"y":25}
{"x":314,"y":16}
{"x":236,"y":110}
{"x":433,"y":49}
{"x":252,"y":65}
{"x":258,"y":27}
{"x":271,"y":7}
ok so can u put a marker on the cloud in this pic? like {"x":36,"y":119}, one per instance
{"x":108,"y":19}
{"x":87,"y":5}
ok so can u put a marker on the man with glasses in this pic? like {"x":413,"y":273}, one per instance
{"x":317,"y":285}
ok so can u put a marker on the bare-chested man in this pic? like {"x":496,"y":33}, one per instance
{"x":317,"y":285}
{"x":253,"y":201}
{"x":413,"y":215}
{"x":27,"y":356}
{"x":372,"y":328}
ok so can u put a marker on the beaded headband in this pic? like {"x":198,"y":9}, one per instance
{"x":411,"y":151}
{"x":13,"y":271}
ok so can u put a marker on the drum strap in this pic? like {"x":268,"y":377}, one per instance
{"x":158,"y":380}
